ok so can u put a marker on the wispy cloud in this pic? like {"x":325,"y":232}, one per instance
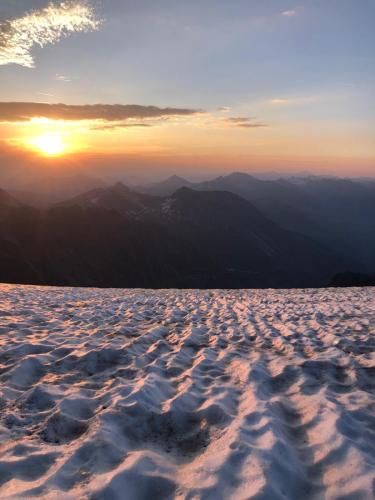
{"x":26,"y":111}
{"x":64,"y":78}
{"x":294,"y":100}
{"x":289,"y":13}
{"x":244,"y":122}
{"x":45,"y":94}
{"x":279,"y":101}
{"x":41,"y":27}
{"x":119,"y":126}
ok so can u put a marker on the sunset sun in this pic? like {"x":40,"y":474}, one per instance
{"x":50,"y":144}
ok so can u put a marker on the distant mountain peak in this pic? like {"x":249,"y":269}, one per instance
{"x":239,"y":176}
{"x":120,"y":187}
{"x":174,"y":182}
{"x":7,"y":199}
{"x":176,"y":178}
{"x":166,"y":187}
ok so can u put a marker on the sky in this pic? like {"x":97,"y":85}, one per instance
{"x":188,"y":87}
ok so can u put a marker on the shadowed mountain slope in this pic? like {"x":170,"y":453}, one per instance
{"x":116,"y":237}
{"x":337,"y":213}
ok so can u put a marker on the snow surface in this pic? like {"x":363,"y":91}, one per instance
{"x":139,"y":394}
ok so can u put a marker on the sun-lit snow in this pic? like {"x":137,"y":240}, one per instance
{"x":139,"y":394}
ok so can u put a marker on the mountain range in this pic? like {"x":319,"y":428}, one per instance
{"x":339,"y":213}
{"x":233,"y":231}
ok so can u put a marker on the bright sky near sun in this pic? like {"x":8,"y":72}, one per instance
{"x":200,"y":85}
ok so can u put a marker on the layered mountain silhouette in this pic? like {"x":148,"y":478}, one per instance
{"x":50,"y":189}
{"x":118,"y":198}
{"x":166,"y":187}
{"x":338,"y":213}
{"x":117,"y":237}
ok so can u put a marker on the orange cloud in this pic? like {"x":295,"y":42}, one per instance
{"x":26,"y":111}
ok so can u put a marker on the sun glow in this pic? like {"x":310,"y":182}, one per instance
{"x":49,"y":144}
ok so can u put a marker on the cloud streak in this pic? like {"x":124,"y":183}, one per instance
{"x":107,"y":117}
{"x":279,"y":101}
{"x":26,"y":111}
{"x":294,"y":101}
{"x":289,"y":13}
{"x":119,"y":126}
{"x":244,"y":122}
{"x":63,"y":78}
{"x":42,"y":27}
